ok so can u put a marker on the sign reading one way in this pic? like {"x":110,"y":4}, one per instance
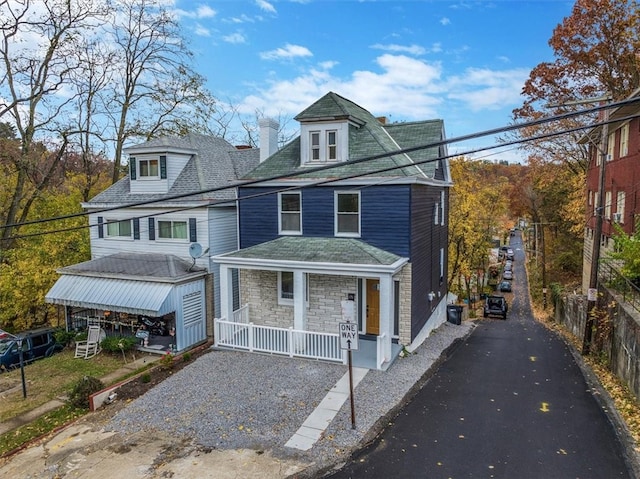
{"x":348,"y":333}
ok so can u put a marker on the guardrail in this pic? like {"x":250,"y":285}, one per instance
{"x":615,"y":281}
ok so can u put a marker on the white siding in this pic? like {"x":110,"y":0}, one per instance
{"x":223,"y":238}
{"x":175,"y":165}
{"x":106,"y":246}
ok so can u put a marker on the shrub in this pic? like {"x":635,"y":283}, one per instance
{"x":84,"y":388}
{"x":167,"y":361}
{"x":64,"y":337}
{"x":117,"y":344}
{"x":145,"y":378}
{"x":186,"y":357}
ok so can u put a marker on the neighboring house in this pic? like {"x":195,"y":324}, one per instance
{"x":325,"y":238}
{"x":149,"y":260}
{"x":621,"y":203}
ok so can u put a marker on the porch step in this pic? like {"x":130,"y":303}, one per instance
{"x":313,"y":427}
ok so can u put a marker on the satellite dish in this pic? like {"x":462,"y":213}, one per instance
{"x":195,"y":250}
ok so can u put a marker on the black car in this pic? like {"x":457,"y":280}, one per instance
{"x":495,"y":305}
{"x":505,"y":286}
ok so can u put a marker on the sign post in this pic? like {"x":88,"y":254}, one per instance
{"x":348,"y":333}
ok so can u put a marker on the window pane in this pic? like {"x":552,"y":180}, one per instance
{"x":144,"y":168}
{"x":315,"y":139}
{"x":348,"y":223}
{"x":112,"y":229}
{"x":180,"y":229}
{"x":286,"y":291}
{"x":164,"y":229}
{"x":125,"y":228}
{"x":290,"y":202}
{"x":153,"y":168}
{"x":348,"y":203}
{"x":290,"y":221}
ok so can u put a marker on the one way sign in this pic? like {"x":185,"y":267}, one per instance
{"x":348,"y":333}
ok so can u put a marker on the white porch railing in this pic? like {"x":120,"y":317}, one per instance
{"x":285,"y":341}
{"x":241,"y":315}
{"x":380,"y":354}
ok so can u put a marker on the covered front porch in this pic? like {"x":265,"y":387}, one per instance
{"x":295,"y":290}
{"x":156,"y":298}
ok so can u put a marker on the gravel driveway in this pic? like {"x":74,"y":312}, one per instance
{"x":236,"y":400}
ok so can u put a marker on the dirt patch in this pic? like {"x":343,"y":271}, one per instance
{"x":158,"y":373}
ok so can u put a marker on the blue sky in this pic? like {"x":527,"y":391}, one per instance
{"x":461,"y":61}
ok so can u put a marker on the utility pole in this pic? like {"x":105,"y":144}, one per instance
{"x":592,"y":294}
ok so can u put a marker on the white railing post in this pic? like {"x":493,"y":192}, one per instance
{"x":290,"y":339}
{"x":250,"y":338}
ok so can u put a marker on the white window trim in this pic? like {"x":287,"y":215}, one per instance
{"x":621,"y":198}
{"x":328,"y":145}
{"x":160,"y":239}
{"x":117,"y":237}
{"x":611,"y":146}
{"x":286,"y":301}
{"x":289,"y":232}
{"x":624,"y":140}
{"x":139,"y":175}
{"x":442,"y":200}
{"x":335,"y":214}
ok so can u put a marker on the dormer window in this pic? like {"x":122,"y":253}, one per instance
{"x":332,"y":145}
{"x":324,"y":143}
{"x":148,"y":168}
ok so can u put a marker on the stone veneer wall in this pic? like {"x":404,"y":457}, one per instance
{"x":325,"y":301}
{"x":259,"y":290}
{"x":405,"y":304}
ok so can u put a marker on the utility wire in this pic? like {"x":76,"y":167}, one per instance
{"x":347,"y":163}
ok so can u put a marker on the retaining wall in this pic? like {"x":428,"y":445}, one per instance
{"x":622,"y":346}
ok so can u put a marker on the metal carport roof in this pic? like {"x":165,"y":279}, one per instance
{"x":129,"y":296}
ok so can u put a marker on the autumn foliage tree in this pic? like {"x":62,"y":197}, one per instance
{"x":479,"y":211}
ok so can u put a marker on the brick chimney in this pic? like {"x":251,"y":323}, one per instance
{"x":268,"y":137}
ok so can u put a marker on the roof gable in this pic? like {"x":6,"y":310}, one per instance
{"x":368,"y":138}
{"x":214,"y":163}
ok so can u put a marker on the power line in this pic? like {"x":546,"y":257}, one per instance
{"x":342,"y":164}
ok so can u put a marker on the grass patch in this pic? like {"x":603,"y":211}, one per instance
{"x":48,"y":379}
{"x":45,"y":424}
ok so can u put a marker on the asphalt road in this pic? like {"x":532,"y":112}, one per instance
{"x":510,"y":402}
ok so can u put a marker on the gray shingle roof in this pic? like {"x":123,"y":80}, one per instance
{"x":142,"y":265}
{"x":367,"y":137}
{"x":318,"y":250}
{"x":215,"y":163}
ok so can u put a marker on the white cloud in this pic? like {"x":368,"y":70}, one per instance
{"x":202,"y":31}
{"x":286,"y":53}
{"x":484,"y":89}
{"x":202,"y":11}
{"x":235,"y":38}
{"x":411,"y":49}
{"x":402,"y":88}
{"x":266,"y":6}
{"x":205,"y":11}
{"x":445,"y":21}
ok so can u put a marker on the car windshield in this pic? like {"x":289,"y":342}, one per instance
{"x":5,"y":343}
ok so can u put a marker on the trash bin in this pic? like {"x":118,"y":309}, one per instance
{"x":454,"y":314}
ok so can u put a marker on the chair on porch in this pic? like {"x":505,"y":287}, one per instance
{"x":89,"y":348}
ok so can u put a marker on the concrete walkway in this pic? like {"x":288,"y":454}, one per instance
{"x":313,"y":427}
{"x":113,"y":377}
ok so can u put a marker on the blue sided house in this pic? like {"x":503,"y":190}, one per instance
{"x":346,"y":223}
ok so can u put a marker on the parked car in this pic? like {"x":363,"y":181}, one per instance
{"x":495,"y":305}
{"x":36,"y":344}
{"x":510,"y":254}
{"x":508,"y":266}
{"x":507,"y":275}
{"x":505,"y":286}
